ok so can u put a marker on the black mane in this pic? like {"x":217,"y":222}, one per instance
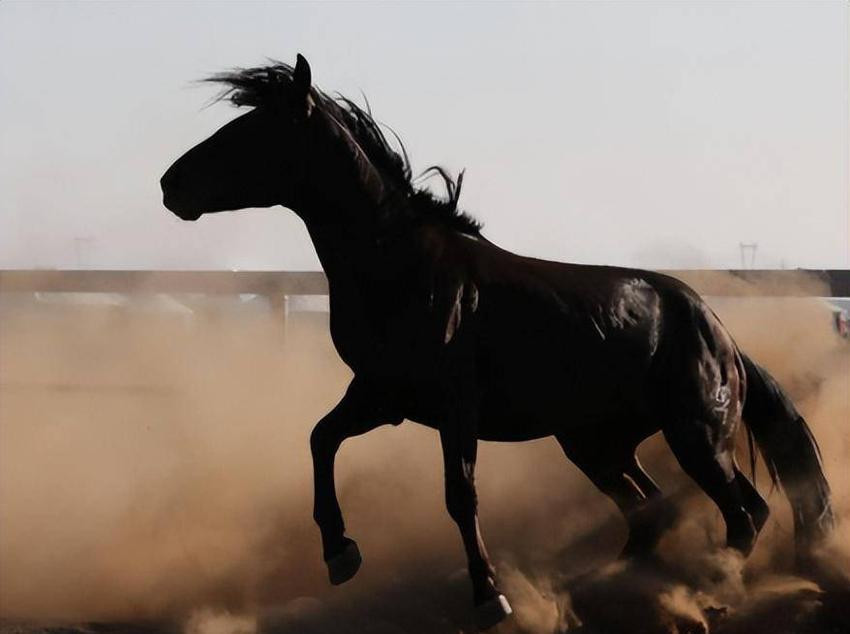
{"x":261,"y":85}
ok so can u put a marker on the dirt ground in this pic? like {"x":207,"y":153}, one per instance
{"x":155,"y":478}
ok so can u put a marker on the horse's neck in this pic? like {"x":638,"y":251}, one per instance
{"x":363,"y":282}
{"x":353,"y":262}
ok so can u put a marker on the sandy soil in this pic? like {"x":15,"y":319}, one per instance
{"x":155,"y":477}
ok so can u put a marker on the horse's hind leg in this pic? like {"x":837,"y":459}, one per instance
{"x":620,"y":476}
{"x":709,"y":460}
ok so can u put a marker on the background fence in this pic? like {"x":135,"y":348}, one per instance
{"x":277,"y":284}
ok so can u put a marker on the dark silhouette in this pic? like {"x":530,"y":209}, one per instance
{"x":442,"y":327}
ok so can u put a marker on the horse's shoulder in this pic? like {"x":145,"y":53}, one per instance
{"x":447,"y":279}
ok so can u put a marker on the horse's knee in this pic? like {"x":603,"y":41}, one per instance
{"x":323,"y":438}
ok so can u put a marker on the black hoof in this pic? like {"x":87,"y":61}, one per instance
{"x":345,"y":565}
{"x":492,"y":612}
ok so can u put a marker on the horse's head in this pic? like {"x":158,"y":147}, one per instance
{"x":263,"y":157}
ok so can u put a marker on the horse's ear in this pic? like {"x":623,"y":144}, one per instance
{"x":301,"y":78}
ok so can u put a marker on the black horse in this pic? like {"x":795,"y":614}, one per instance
{"x":442,"y":327}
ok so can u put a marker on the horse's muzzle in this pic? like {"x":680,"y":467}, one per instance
{"x":171,"y":198}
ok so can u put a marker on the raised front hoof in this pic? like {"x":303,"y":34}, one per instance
{"x":345,"y":565}
{"x":492,"y":612}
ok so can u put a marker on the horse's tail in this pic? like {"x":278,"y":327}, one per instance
{"x":791,"y":454}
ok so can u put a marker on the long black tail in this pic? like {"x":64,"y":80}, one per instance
{"x":791,"y":453}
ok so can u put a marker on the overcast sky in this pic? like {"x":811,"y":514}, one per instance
{"x":645,"y":134}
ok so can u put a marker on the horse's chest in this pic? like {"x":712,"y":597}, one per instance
{"x":369,"y":343}
{"x":349,"y":340}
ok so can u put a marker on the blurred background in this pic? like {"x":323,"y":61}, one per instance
{"x":650,"y":134}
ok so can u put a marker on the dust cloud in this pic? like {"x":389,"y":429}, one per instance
{"x":155,"y":468}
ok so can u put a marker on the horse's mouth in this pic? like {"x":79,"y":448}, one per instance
{"x":183,"y":213}
{"x":178,"y":205}
{"x":189,"y":215}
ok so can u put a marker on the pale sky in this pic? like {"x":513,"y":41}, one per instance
{"x":634,"y":133}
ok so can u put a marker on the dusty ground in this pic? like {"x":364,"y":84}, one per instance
{"x":155,"y":477}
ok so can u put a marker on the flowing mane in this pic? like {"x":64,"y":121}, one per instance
{"x":261,"y":85}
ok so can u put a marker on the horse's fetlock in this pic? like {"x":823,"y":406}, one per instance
{"x":760,"y":516}
{"x":741,"y":531}
{"x":482,"y":570}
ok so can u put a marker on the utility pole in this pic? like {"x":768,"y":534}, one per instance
{"x":748,"y":249}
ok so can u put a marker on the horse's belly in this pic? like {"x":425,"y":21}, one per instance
{"x":495,"y":426}
{"x":525,"y":403}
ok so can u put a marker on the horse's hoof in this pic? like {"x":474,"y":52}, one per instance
{"x":492,"y":612}
{"x":345,"y":565}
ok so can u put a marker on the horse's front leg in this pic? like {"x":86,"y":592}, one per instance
{"x":357,"y":413}
{"x":459,"y":451}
